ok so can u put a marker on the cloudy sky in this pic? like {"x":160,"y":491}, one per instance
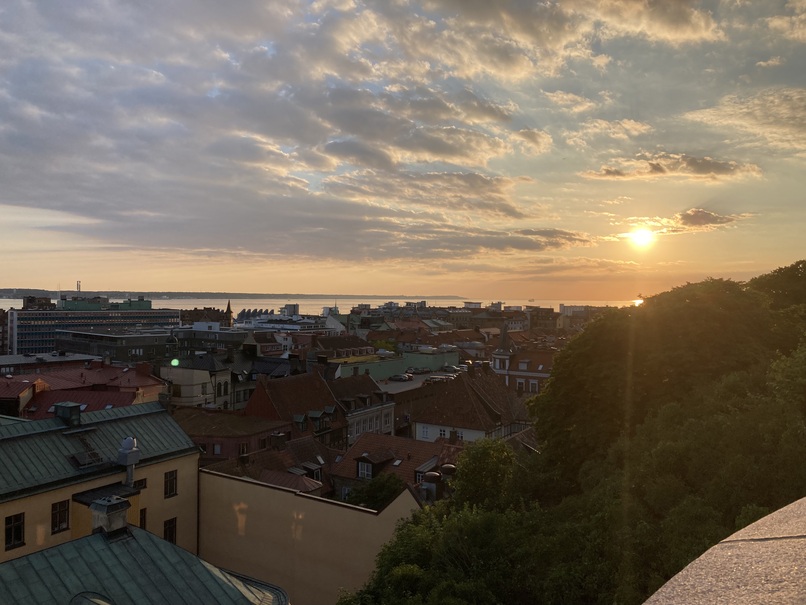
{"x":486,"y":149}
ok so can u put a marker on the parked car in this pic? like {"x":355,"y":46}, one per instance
{"x":422,"y":370}
{"x":400,"y":377}
{"x":450,"y":368}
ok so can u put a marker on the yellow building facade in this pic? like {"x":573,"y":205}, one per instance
{"x":55,"y":468}
{"x":312,"y":547}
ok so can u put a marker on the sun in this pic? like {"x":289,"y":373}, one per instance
{"x":641,"y":238}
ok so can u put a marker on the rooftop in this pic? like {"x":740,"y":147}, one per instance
{"x":135,"y":568}
{"x":54,"y":452}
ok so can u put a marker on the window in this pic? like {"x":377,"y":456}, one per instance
{"x":15,"y":531}
{"x":442,"y":433}
{"x":169,"y":530}
{"x":204,"y":388}
{"x":59,"y":516}
{"x":262,"y":443}
{"x":143,"y":517}
{"x":170,"y":484}
{"x":424,"y":431}
{"x":364,"y":470}
{"x":386,"y":420}
{"x":243,"y":448}
{"x":140,"y":484}
{"x":216,"y":449}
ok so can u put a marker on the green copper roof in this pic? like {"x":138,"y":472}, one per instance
{"x":44,"y":454}
{"x":135,"y":568}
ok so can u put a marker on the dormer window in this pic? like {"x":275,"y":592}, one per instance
{"x":364,"y":470}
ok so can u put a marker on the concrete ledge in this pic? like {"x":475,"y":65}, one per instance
{"x":762,"y":563}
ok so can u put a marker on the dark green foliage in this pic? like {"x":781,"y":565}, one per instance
{"x":377,"y":492}
{"x":664,"y":429}
{"x":786,"y":286}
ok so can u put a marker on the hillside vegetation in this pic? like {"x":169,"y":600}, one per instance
{"x":664,"y":429}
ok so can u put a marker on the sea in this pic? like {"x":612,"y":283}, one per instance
{"x":310,"y":304}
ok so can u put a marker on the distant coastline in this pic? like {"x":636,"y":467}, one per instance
{"x":124,"y":295}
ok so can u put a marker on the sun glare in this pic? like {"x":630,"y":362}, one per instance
{"x":641,"y":238}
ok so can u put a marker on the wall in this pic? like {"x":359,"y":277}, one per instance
{"x":309,"y":546}
{"x":37,"y":508}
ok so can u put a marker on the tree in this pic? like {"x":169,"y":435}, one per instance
{"x":786,"y":286}
{"x":484,"y":473}
{"x":377,"y":492}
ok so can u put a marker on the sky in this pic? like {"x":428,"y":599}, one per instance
{"x":581,"y":149}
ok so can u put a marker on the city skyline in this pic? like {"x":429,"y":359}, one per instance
{"x":582,"y":149}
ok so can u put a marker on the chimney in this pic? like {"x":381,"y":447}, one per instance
{"x":128,"y":456}
{"x":109,"y":516}
{"x":355,"y":370}
{"x":277,"y":441}
{"x":69,"y":413}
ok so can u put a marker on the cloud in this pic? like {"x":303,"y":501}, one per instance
{"x":674,"y":165}
{"x":772,"y":117}
{"x":674,"y":22}
{"x":697,"y":217}
{"x":690,"y":221}
{"x":534,"y":141}
{"x":791,"y":26}
{"x":434,"y":191}
{"x":591,"y":130}
{"x":570,"y":101}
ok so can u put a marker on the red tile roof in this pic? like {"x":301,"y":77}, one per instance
{"x":198,"y":422}
{"x":292,"y":397}
{"x":386,"y":450}
{"x":41,"y":405}
{"x":481,"y":402}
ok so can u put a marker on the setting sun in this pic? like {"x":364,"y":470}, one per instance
{"x":641,"y":238}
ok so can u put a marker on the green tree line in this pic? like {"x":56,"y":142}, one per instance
{"x":664,"y":429}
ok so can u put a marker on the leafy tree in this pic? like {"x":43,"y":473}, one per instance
{"x":786,"y":286}
{"x":632,"y":361}
{"x":377,"y":492}
{"x":484,"y":474}
{"x":664,"y":429}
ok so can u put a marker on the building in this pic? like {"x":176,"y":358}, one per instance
{"x":199,"y":381}
{"x":42,"y":364}
{"x":221,"y":435}
{"x":313,"y":547}
{"x":120,"y":563}
{"x":373,"y":455}
{"x":43,"y":405}
{"x":304,"y":400}
{"x":367,"y":406}
{"x":473,"y":405}
{"x":150,"y":345}
{"x":54,"y":469}
{"x":33,"y":331}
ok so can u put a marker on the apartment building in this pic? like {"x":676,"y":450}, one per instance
{"x":54,"y":469}
{"x":32,"y":331}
